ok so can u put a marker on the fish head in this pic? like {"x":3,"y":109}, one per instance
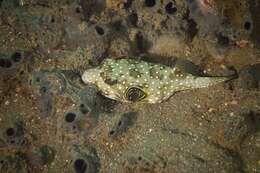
{"x":97,"y":77}
{"x":91,"y":76}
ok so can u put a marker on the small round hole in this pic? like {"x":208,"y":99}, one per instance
{"x":128,"y":4}
{"x":119,"y":123}
{"x":133,"y":19}
{"x":23,"y":142}
{"x":77,"y":10}
{"x":10,"y":132}
{"x":99,"y":30}
{"x":16,"y":57}
{"x":43,"y":89}
{"x":149,"y":3}
{"x":37,"y":79}
{"x":147,"y":163}
{"x":170,"y":9}
{"x":80,"y":166}
{"x":5,"y":63}
{"x":70,"y":117}
{"x":223,"y":40}
{"x":111,"y":132}
{"x":247,"y":25}
{"x":83,"y":109}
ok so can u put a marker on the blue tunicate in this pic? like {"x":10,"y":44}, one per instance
{"x":10,"y":64}
{"x":85,"y":159}
{"x":15,"y":135}
{"x":41,"y":156}
{"x":46,"y":103}
{"x":13,"y":163}
{"x":89,"y":99}
{"x":49,"y":81}
{"x":123,"y":124}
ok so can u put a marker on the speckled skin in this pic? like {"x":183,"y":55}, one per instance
{"x":157,"y":81}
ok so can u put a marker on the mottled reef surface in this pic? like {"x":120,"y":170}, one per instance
{"x":52,"y":122}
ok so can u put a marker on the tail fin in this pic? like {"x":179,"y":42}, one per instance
{"x":202,"y":82}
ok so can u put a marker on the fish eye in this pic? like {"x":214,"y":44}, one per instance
{"x":134,"y":94}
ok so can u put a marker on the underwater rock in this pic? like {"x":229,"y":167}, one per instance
{"x":92,"y":7}
{"x":143,"y":164}
{"x":39,"y":23}
{"x":129,"y":80}
{"x":84,"y":159}
{"x":123,"y":124}
{"x":250,"y":153}
{"x":230,"y":131}
{"x":249,"y":77}
{"x":68,"y":37}
{"x":205,"y":15}
{"x":92,"y":40}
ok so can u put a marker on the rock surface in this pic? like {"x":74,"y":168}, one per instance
{"x":50,"y":121}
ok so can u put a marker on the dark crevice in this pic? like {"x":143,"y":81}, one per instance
{"x":133,"y":19}
{"x":128,"y":4}
{"x":235,"y":155}
{"x":170,"y":8}
{"x":5,"y":63}
{"x":247,"y":25}
{"x":150,"y":3}
{"x":99,"y":30}
{"x":222,"y":40}
{"x":70,"y":117}
{"x":192,"y":30}
{"x":80,"y":166}
{"x":254,"y":9}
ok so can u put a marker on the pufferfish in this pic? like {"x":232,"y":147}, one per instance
{"x":129,"y":80}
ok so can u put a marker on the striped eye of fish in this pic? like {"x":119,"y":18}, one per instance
{"x":135,"y":94}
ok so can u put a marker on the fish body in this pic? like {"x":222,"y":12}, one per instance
{"x":129,"y":80}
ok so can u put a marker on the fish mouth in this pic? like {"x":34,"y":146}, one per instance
{"x":90,"y":76}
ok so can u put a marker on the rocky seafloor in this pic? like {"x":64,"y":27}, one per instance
{"x":52,"y":122}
